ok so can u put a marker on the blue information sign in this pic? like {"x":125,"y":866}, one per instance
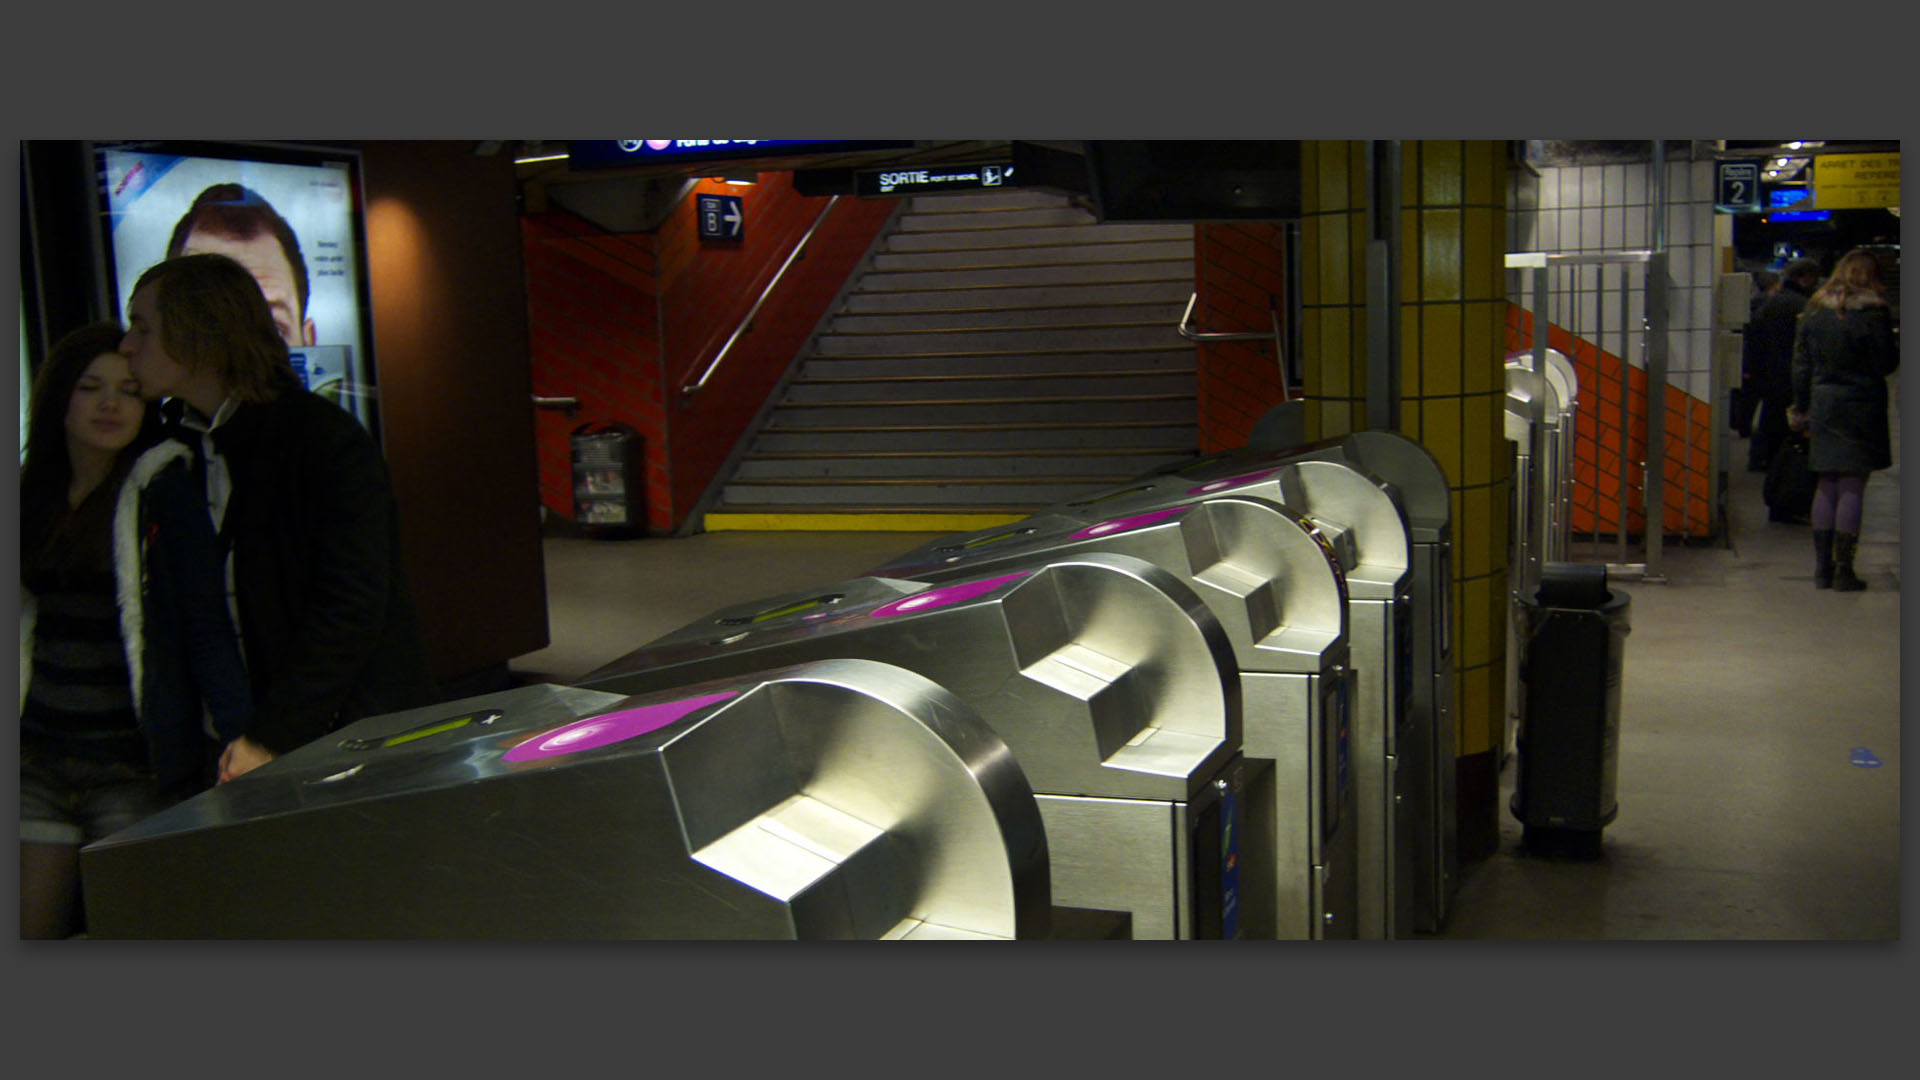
{"x":1737,"y":187}
{"x":721,"y":217}
{"x":627,"y":153}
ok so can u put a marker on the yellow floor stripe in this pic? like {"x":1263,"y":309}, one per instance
{"x":877,"y":522}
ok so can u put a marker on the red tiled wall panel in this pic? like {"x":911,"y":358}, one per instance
{"x":1595,"y":475}
{"x":622,"y":322}
{"x":1239,"y":281}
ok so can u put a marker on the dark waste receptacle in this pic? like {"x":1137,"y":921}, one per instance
{"x":608,"y":492}
{"x":1568,"y":744}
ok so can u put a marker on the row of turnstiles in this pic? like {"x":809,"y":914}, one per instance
{"x":1214,"y":702}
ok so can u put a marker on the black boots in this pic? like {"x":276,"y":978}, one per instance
{"x":1844,"y":545}
{"x":1823,"y":558}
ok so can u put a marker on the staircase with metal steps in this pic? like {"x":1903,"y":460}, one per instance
{"x":999,"y":354}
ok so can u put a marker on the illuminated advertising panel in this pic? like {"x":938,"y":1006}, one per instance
{"x":292,"y":216}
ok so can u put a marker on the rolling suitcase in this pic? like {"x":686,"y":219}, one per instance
{"x":1789,"y":487}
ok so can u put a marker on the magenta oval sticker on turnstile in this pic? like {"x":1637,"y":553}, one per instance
{"x":593,"y":732}
{"x":1128,"y":524}
{"x":1232,"y":482}
{"x":951,"y":594}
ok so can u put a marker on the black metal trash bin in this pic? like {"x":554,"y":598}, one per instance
{"x":608,"y":488}
{"x":1572,"y":661}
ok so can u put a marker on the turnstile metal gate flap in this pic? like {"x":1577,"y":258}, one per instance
{"x":1104,"y":674}
{"x":845,"y":799}
{"x":1263,"y":570}
{"x":1111,"y":682}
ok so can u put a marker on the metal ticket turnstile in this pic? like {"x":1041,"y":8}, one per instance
{"x":1275,"y":586}
{"x":1541,"y":507}
{"x":1429,"y":751}
{"x":1110,"y":681}
{"x":1360,"y":517}
{"x":845,"y":799}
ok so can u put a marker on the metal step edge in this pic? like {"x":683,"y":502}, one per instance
{"x":1062,"y":451}
{"x":991,"y":354}
{"x":981,"y":308}
{"x":1155,"y":324}
{"x":861,"y":519}
{"x":1013,"y":425}
{"x":1188,"y":281}
{"x":983,"y":376}
{"x":1110,"y":399}
{"x":931,"y":481}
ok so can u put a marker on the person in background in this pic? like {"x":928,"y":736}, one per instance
{"x":301,"y":493}
{"x":1843,"y":352}
{"x":124,"y":630}
{"x":233,"y":220}
{"x":1744,"y":399}
{"x":1767,"y":354}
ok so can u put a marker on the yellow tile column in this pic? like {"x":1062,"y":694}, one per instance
{"x":1452,"y":307}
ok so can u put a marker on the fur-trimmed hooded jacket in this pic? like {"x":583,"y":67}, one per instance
{"x":170,"y":587}
{"x":1841,"y":360}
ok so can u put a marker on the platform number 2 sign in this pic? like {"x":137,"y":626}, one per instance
{"x":1738,"y":188}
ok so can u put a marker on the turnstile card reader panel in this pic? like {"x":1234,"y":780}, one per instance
{"x":845,"y":799}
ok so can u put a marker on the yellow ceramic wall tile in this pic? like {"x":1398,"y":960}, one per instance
{"x":1476,"y":632}
{"x":1481,"y":281}
{"x":1410,"y":418}
{"x":1331,"y":157}
{"x":1476,"y":725}
{"x":1499,"y":512}
{"x":1310,"y":226}
{"x":1480,"y":362}
{"x":1309,"y":175}
{"x":1335,"y":419}
{"x":1360,"y":421}
{"x":1410,"y":173}
{"x":1473,"y":696}
{"x":1440,"y":349}
{"x":1336,"y":351}
{"x":1440,"y":420}
{"x":1410,"y":256}
{"x":1332,"y":259}
{"x":1312,"y":353}
{"x":1481,"y":161}
{"x":1476,"y":514}
{"x":1357,"y":253}
{"x":1440,"y":176}
{"x":1477,"y":438}
{"x":1410,"y":377}
{"x":1357,"y":199}
{"x":1440,"y":255}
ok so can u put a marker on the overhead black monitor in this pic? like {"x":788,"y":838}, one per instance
{"x":1195,"y":180}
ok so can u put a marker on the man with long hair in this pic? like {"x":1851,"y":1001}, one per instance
{"x":301,"y":495}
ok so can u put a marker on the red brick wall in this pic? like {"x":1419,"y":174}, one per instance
{"x":1238,"y":277}
{"x":623,"y":321}
{"x":1596,"y":469}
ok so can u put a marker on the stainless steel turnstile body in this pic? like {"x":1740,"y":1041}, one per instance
{"x":1359,"y":516}
{"x":1541,"y":511}
{"x":1272,"y":583}
{"x":1429,"y":750}
{"x":1111,"y":682}
{"x":846,"y":799}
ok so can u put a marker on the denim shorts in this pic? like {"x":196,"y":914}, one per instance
{"x":66,"y":800}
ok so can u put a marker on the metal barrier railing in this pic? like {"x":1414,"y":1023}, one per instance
{"x":1188,"y":331}
{"x":746,"y":323}
{"x":1589,"y":322}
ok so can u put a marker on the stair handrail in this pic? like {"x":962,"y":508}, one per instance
{"x":746,"y":323}
{"x":1188,"y":331}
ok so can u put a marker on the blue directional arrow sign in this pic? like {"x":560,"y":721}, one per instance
{"x":721,"y":217}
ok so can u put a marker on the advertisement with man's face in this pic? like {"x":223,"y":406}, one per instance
{"x":294,"y":226}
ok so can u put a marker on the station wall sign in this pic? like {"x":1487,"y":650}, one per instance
{"x":722,"y":217}
{"x":628,"y":153}
{"x":1737,"y":187}
{"x":920,"y":180}
{"x":1856,"y":181}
